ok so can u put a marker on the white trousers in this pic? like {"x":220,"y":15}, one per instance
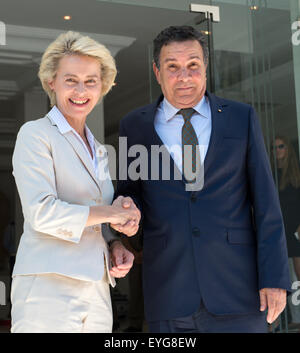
{"x":55,"y":303}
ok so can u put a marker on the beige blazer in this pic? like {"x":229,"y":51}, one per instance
{"x":56,"y":182}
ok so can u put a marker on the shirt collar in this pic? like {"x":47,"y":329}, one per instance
{"x":90,"y":137}
{"x":60,"y":121}
{"x":202,"y":108}
{"x":64,"y":126}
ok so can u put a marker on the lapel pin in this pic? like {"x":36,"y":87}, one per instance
{"x":220,"y":110}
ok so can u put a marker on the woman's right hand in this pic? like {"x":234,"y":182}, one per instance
{"x":123,"y":211}
{"x":131,"y":227}
{"x":121,"y":214}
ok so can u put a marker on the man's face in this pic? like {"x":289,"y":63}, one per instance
{"x":182,"y":73}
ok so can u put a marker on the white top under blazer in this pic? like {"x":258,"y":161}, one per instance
{"x":57,"y":183}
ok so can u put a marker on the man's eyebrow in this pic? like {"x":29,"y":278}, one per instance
{"x":195,"y":57}
{"x":190,"y":58}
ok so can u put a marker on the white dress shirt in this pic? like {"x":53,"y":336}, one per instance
{"x":64,"y":126}
{"x":168,"y":125}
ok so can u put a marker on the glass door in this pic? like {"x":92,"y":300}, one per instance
{"x":254,"y":57}
{"x":203,"y":23}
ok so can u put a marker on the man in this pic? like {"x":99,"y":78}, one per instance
{"x":214,"y":258}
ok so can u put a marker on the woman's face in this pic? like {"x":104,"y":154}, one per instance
{"x":77,"y":85}
{"x":280,"y":149}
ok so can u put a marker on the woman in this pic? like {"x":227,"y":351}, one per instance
{"x":61,"y":276}
{"x":288,"y":176}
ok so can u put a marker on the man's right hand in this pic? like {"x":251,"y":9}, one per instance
{"x":131,"y":227}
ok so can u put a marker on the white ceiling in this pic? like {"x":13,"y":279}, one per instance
{"x":89,"y":16}
{"x":19,"y":63}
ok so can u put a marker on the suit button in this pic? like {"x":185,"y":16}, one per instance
{"x":196,"y":232}
{"x":193,"y":197}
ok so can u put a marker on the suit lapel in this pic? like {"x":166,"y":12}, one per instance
{"x":148,"y":116}
{"x":103,"y":159}
{"x":219,"y":112}
{"x":153,"y":139}
{"x":81,"y":153}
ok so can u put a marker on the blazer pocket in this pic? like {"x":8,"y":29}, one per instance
{"x":241,"y":236}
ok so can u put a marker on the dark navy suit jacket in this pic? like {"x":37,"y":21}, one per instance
{"x":221,"y":244}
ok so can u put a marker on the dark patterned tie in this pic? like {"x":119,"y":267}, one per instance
{"x":189,"y":138}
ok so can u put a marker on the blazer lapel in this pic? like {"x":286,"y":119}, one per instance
{"x":81,"y":153}
{"x":148,"y":114}
{"x":103,"y":159}
{"x":218,"y":115}
{"x":153,"y":139}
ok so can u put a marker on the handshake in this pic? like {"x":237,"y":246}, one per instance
{"x":125,"y":216}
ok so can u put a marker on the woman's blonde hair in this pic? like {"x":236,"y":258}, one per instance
{"x":291,"y":170}
{"x":73,"y":43}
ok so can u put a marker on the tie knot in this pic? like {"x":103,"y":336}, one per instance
{"x":187,"y":113}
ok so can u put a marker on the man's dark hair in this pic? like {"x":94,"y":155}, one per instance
{"x":178,"y":34}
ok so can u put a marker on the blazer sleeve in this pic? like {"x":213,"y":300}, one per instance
{"x":273,"y":268}
{"x":109,"y":234}
{"x":34,"y":172}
